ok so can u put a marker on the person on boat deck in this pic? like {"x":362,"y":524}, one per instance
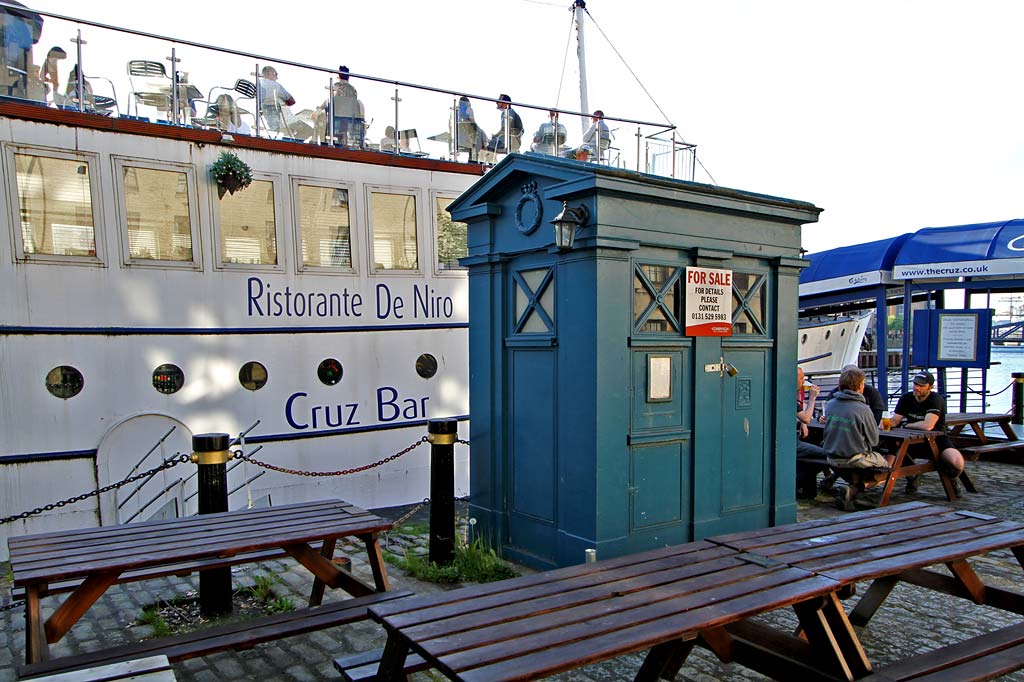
{"x":387,"y":143}
{"x":49,"y":72}
{"x":924,"y":410}
{"x":806,"y":476}
{"x":550,"y":137}
{"x":597,"y":134}
{"x":348,"y":111}
{"x":276,"y":103}
{"x":471,"y":138}
{"x":71,"y":92}
{"x":871,"y":396}
{"x":228,"y":118}
{"x":496,"y":145}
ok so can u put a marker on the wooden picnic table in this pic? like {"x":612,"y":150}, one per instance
{"x":662,"y":600}
{"x":958,"y":421}
{"x":890,"y":544}
{"x":97,"y":557}
{"x":706,"y":592}
{"x":897,"y":441}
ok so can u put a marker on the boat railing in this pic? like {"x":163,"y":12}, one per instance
{"x":144,"y":76}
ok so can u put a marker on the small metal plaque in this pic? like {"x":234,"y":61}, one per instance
{"x":744,"y":394}
{"x":752,"y":558}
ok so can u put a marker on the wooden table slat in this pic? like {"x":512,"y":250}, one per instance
{"x":552,"y":627}
{"x":79,"y":535}
{"x":178,"y":528}
{"x":68,"y":563}
{"x":851,"y":541}
{"x":473,"y":593}
{"x":618,"y":580}
{"x":592,"y":601}
{"x":870,"y":568}
{"x":879,"y":517}
{"x":588,"y":648}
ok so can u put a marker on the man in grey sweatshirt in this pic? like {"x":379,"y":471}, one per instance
{"x":851,"y":433}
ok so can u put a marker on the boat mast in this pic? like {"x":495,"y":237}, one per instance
{"x":578,"y":8}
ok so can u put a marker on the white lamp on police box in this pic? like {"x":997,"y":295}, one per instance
{"x":566,"y":223}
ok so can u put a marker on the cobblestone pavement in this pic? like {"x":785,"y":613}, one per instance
{"x":912,"y":620}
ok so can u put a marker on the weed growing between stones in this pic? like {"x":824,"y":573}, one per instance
{"x":474,"y":562}
{"x":182,"y":614}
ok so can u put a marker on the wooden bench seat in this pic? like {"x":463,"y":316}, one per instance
{"x":180,"y":569}
{"x":233,"y":636}
{"x":974,"y":451}
{"x":985,"y":657}
{"x":152,"y":669}
{"x":363,"y":667}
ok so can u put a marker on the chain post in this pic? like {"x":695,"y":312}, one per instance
{"x":1018,"y":398}
{"x":442,"y":434}
{"x":211,"y":454}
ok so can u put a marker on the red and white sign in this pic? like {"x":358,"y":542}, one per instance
{"x":708,"y":302}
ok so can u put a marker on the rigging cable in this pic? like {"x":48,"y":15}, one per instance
{"x":565,"y":60}
{"x":643,"y":87}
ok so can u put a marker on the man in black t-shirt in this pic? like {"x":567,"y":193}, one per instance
{"x":924,"y":410}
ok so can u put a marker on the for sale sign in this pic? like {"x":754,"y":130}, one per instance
{"x":708,"y":302}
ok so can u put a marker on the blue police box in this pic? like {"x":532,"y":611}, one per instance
{"x":596,"y":420}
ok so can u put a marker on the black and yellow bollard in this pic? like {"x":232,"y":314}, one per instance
{"x":1018,"y":398}
{"x":442,"y":434}
{"x":210,"y":452}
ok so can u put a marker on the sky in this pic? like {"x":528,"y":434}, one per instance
{"x":891,"y":115}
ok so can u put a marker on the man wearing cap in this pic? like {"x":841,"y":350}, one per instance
{"x":925,"y":410}
{"x":510,"y":120}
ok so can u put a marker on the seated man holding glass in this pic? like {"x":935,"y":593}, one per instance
{"x":851,"y":436}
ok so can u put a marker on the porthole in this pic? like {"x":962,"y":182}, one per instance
{"x":168,"y":379}
{"x":842,"y":332}
{"x":426,"y":365}
{"x":330,"y":371}
{"x":252,"y":376}
{"x":64,"y":382}
{"x":828,"y":333}
{"x":803,"y":339}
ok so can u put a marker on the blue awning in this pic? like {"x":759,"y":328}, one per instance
{"x":850,"y":267}
{"x":979,"y":250}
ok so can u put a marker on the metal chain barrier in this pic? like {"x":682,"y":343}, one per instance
{"x":405,"y":517}
{"x":10,"y":607}
{"x":343,"y":472}
{"x":464,"y":442}
{"x":179,"y":458}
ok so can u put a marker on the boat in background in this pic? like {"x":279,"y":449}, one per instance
{"x":320,"y":311}
{"x":827,"y":344}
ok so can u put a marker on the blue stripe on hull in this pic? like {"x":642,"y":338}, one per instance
{"x":137,"y":331}
{"x":271,"y":438}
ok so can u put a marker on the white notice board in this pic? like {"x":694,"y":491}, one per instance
{"x":958,"y":337}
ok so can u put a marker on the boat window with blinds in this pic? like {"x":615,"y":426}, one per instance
{"x":393,"y":229}
{"x":323,"y":213}
{"x":54,"y":200}
{"x":248,"y":226}
{"x":157,"y":213}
